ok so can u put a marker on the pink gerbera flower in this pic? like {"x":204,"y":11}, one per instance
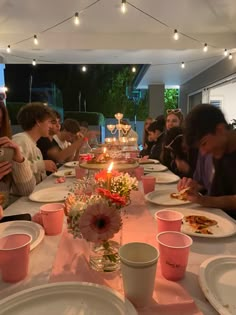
{"x":99,"y":222}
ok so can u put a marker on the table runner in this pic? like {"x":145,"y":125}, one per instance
{"x":71,"y":263}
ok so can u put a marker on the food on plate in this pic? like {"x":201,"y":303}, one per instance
{"x":181,"y":195}
{"x":100,"y":158}
{"x":104,"y":158}
{"x":200,"y":223}
{"x":68,"y":173}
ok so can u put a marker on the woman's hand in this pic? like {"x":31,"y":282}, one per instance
{"x":5,"y":142}
{"x":50,"y":166}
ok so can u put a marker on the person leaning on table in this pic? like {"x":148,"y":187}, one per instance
{"x":206,"y":128}
{"x":35,"y":120}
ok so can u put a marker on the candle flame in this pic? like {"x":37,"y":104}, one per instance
{"x":110,"y":167}
{"x":104,"y":150}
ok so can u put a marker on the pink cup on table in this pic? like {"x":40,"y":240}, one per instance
{"x":52,"y":218}
{"x":149,"y":183}
{"x":14,"y":257}
{"x":80,"y":172}
{"x":139,"y":172}
{"x":168,"y":220}
{"x":174,"y":251}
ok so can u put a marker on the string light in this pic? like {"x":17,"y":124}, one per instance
{"x":205,"y":48}
{"x":182,"y":65}
{"x":123,"y":9}
{"x":226,"y":52}
{"x":133,"y":69}
{"x":176,"y":35}
{"x":84,"y":68}
{"x":36,"y":40}
{"x":76,"y":19}
{"x":34,"y":62}
{"x":123,"y":6}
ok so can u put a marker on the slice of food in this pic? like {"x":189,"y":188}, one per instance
{"x":200,"y":223}
{"x":67,"y":173}
{"x":181,"y":195}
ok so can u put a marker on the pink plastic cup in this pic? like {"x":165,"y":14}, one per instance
{"x":139,"y":172}
{"x":14,"y":257}
{"x":148,"y":183}
{"x":174,"y":251}
{"x":168,"y":220}
{"x":80,"y":172}
{"x":52,"y":217}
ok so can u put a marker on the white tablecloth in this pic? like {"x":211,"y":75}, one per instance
{"x":42,"y":257}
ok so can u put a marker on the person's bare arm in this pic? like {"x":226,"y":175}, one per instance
{"x":221,"y":202}
{"x":63,"y":155}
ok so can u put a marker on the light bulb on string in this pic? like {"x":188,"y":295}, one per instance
{"x":205,"y":48}
{"x":230,"y":56}
{"x":123,"y":6}
{"x":182,"y":65}
{"x":8,"y":49}
{"x":176,"y":35}
{"x":36,"y":40}
{"x":226,"y":52}
{"x":76,"y":19}
{"x":34,"y":62}
{"x":133,"y":69}
{"x":84,"y":69}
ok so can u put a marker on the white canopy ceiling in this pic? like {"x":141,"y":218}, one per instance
{"x":106,"y":36}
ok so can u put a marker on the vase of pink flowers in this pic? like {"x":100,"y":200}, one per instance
{"x":97,"y":218}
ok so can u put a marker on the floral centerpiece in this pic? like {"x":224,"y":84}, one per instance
{"x":97,"y":217}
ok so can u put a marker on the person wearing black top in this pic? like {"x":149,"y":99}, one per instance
{"x":207,"y":129}
{"x":156,"y":134}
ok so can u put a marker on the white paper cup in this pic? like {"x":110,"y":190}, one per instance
{"x":138,"y":268}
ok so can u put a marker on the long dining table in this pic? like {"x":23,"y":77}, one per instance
{"x":43,"y":256}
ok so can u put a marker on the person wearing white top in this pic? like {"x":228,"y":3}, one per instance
{"x":35,"y":120}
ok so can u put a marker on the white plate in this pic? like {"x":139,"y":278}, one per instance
{"x":148,"y":168}
{"x":148,"y":161}
{"x":26,"y":227}
{"x":225,"y":227}
{"x":67,"y":298}
{"x":65,"y":173}
{"x":72,"y":164}
{"x":165,"y":178}
{"x":163,"y":198}
{"x":217,"y":279}
{"x":52,"y":194}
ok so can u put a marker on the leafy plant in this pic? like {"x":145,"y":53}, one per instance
{"x":171,"y":98}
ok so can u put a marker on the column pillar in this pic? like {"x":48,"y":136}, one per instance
{"x":156,"y":100}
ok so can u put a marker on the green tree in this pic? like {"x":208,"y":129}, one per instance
{"x":171,"y":98}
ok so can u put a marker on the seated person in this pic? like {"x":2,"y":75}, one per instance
{"x":174,"y":118}
{"x":51,"y":150}
{"x":175,"y":155}
{"x":147,"y":144}
{"x":84,"y":129}
{"x":67,"y":134}
{"x":156,"y":134}
{"x":206,"y":128}
{"x":131,"y":133}
{"x":35,"y":120}
{"x":202,"y":176}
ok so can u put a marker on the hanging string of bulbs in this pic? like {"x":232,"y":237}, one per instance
{"x":124,"y":3}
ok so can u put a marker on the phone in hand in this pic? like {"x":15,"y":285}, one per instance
{"x":6,"y":154}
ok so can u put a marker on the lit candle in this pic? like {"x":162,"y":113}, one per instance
{"x":104,"y":150}
{"x":109,"y":176}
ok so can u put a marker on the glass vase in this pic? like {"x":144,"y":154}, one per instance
{"x":104,"y":256}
